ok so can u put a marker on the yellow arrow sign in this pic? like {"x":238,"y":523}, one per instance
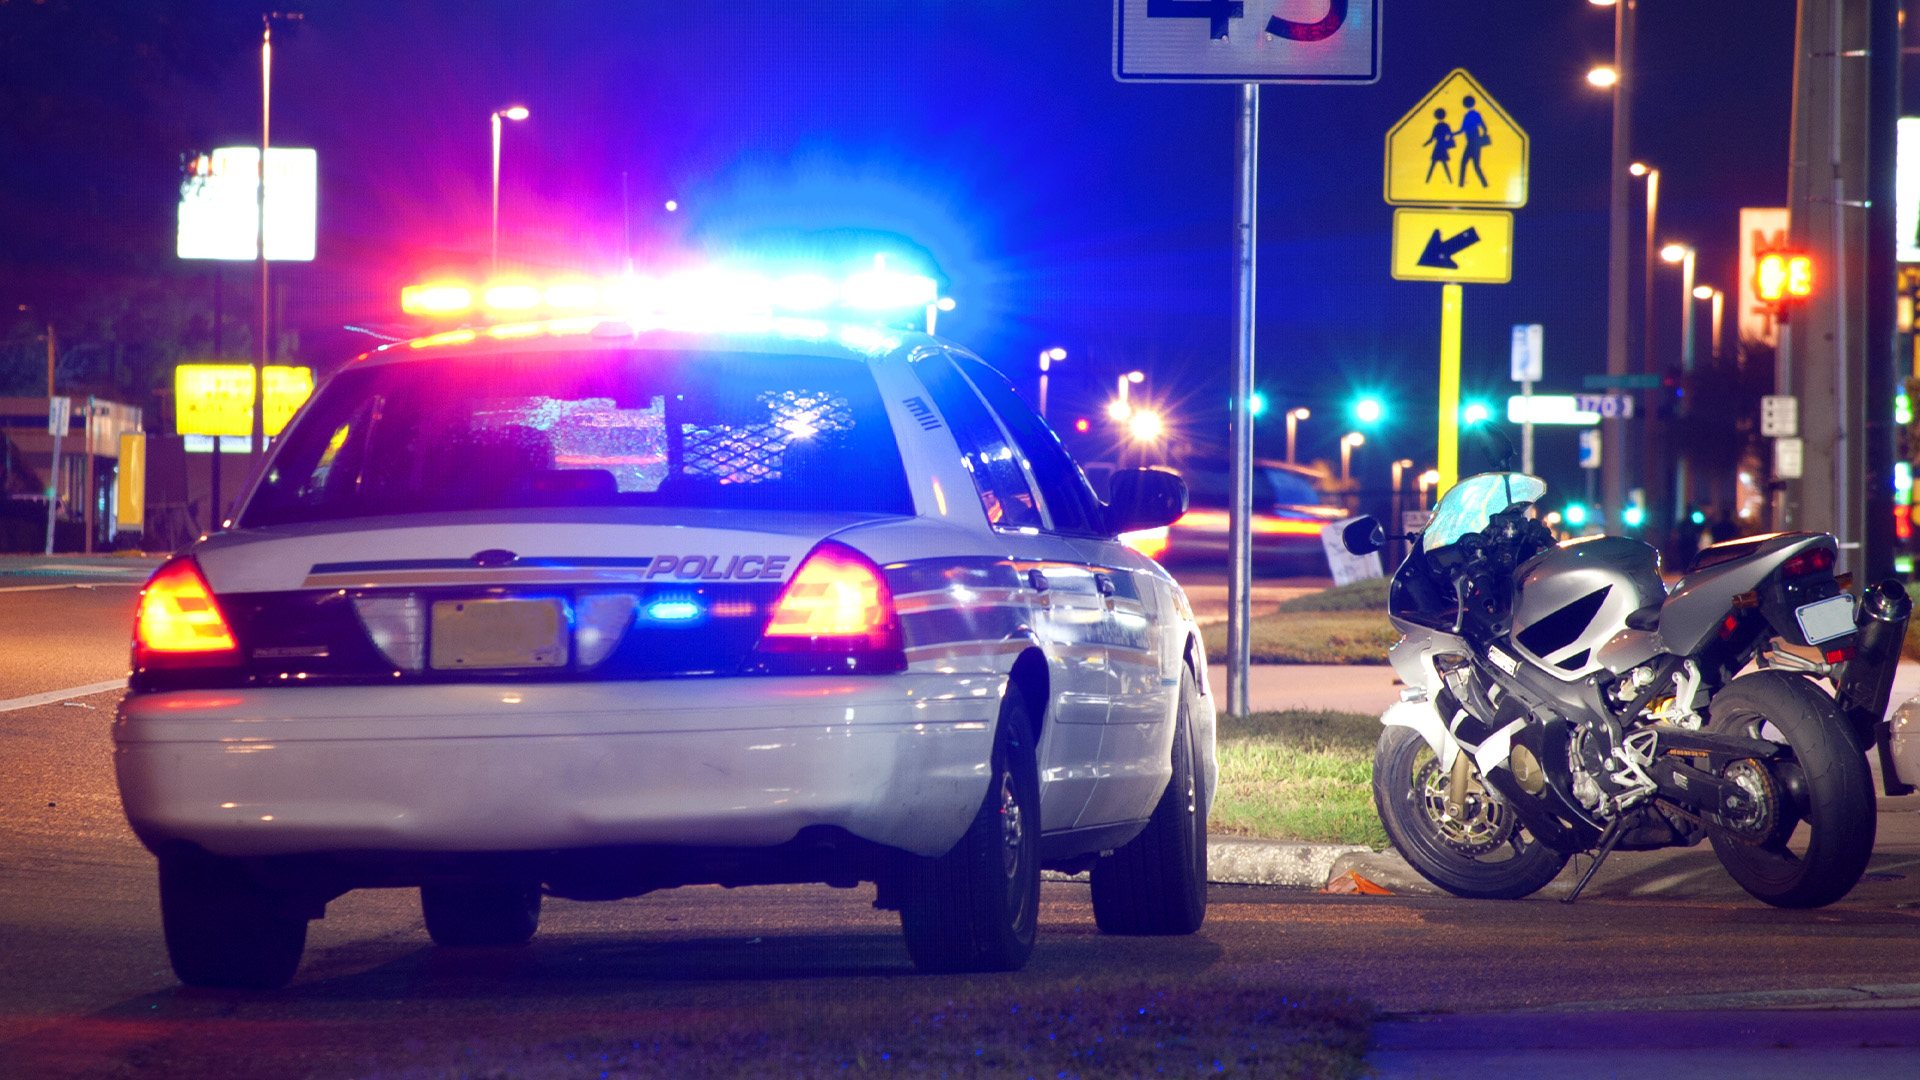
{"x":1457,"y":148}
{"x":1453,"y":245}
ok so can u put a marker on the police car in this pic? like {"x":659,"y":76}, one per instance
{"x":593,"y":605}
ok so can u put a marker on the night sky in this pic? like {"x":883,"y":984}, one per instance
{"x":989,"y":137}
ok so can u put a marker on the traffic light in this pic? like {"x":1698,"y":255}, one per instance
{"x":1368,"y":410}
{"x":1257,"y":404}
{"x":1475,"y":413}
{"x":1575,"y":515}
{"x":1783,"y":277}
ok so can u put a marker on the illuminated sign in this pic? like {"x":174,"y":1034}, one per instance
{"x":1782,"y":277}
{"x":1762,"y":229}
{"x":220,"y":204}
{"x":1557,"y":409}
{"x":217,"y":399}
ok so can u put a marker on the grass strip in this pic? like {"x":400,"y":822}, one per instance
{"x":1368,"y":595}
{"x":1311,"y":637}
{"x":1234,"y":1030}
{"x":1298,"y":775}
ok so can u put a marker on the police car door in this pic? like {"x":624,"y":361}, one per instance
{"x":1060,"y":586}
{"x":1135,"y":752}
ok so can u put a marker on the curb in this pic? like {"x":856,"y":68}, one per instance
{"x":1237,"y":860}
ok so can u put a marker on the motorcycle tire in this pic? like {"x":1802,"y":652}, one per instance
{"x":1825,"y":786}
{"x":1441,"y":849}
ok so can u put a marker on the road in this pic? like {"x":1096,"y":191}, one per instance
{"x":85,"y":989}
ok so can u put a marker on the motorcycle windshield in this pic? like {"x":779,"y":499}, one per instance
{"x":1470,"y":504}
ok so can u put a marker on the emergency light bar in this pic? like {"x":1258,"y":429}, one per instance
{"x":878,"y":292}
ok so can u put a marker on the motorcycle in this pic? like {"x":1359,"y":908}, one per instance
{"x":1560,"y":700}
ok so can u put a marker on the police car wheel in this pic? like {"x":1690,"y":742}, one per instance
{"x":223,"y":929}
{"x":1157,"y":882}
{"x":481,"y":913}
{"x":977,"y":908}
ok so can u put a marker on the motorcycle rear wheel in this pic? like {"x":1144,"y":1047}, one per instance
{"x":1825,"y":784}
{"x":1479,"y":857}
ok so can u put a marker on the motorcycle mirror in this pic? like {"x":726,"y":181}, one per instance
{"x":1498,"y":447}
{"x":1363,"y":535}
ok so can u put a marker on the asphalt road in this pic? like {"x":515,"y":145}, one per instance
{"x":85,"y":989}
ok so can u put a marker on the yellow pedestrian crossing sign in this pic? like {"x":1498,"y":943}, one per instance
{"x":1457,"y":148}
{"x":1452,"y":245}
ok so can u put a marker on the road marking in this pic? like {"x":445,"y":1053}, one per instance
{"x":71,"y":585}
{"x":52,"y":696}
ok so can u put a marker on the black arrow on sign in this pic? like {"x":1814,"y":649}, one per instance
{"x":1440,"y":253}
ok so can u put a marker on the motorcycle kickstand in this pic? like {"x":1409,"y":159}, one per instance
{"x":1607,"y":840}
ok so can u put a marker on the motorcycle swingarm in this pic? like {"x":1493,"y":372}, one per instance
{"x":1703,"y":793}
{"x":1722,"y":749}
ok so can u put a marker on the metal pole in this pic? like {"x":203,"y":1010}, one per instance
{"x":1881,"y":332}
{"x":86,"y":430}
{"x":1612,"y":465}
{"x":1240,"y":505}
{"x":494,"y":264}
{"x":1526,"y":427}
{"x":1842,"y":370}
{"x":49,"y":359}
{"x":53,"y":491}
{"x":262,"y":353}
{"x":1448,"y":457}
{"x":1682,"y":492}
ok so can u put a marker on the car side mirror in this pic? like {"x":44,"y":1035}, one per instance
{"x":1363,"y":535}
{"x":1144,"y":499}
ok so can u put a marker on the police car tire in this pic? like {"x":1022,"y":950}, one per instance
{"x":1156,"y":884}
{"x":966,"y":910}
{"x":223,"y":929}
{"x":481,"y":913}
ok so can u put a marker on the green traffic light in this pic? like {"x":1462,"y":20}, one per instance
{"x":1475,"y":413}
{"x":1368,"y":410}
{"x":1575,"y":514}
{"x":1257,"y":404}
{"x":1633,"y":516}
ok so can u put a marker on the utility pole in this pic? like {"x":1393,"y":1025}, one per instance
{"x":1829,"y":197}
{"x":1882,"y":285}
{"x":1613,"y":465}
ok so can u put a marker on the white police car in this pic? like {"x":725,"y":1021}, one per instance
{"x":588,"y":608}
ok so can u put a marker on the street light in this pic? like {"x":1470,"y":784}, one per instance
{"x":1347,"y":442}
{"x":1618,"y":79}
{"x":1708,"y":292}
{"x":1603,"y":75}
{"x":1428,"y":481}
{"x":1684,"y":255}
{"x":1145,"y":426}
{"x":1047,"y":359}
{"x":511,"y":112}
{"x":1294,"y":416}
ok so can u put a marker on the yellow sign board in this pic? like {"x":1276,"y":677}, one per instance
{"x":130,"y":504}
{"x":1453,"y":245}
{"x":217,"y":399}
{"x":1458,"y":147}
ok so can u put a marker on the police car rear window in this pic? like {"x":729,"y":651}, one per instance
{"x":638,"y":428}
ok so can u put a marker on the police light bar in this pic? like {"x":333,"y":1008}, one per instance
{"x":878,"y":292}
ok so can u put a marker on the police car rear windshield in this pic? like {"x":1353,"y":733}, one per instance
{"x":636,"y":428}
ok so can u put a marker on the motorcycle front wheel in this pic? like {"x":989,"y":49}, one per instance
{"x":1483,"y":853}
{"x":1820,"y":781}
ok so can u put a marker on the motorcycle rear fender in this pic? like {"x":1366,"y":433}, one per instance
{"x":1703,"y":597}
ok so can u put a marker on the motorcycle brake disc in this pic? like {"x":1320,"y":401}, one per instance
{"x":1483,"y":826}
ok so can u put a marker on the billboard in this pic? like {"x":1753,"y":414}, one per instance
{"x":1762,"y":229}
{"x":217,"y":399}
{"x":219,"y":204}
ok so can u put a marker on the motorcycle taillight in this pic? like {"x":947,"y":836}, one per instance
{"x":1812,"y":561}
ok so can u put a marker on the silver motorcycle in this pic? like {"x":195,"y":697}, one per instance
{"x":1561,"y":700}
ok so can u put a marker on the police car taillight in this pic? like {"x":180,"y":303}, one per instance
{"x":837,"y":602}
{"x":179,"y":624}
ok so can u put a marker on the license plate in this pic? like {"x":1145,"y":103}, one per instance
{"x":471,"y":635}
{"x":1824,"y":620}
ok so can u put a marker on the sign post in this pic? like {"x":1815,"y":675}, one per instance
{"x":1528,"y":365}
{"x":59,"y":418}
{"x":1248,"y":42}
{"x":1458,"y":235}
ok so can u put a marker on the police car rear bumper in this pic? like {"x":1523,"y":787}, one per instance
{"x":900,"y":760}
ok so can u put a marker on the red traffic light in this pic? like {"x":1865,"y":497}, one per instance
{"x":1783,"y":277}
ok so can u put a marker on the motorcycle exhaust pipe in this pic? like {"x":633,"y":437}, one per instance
{"x":1867,"y":683}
